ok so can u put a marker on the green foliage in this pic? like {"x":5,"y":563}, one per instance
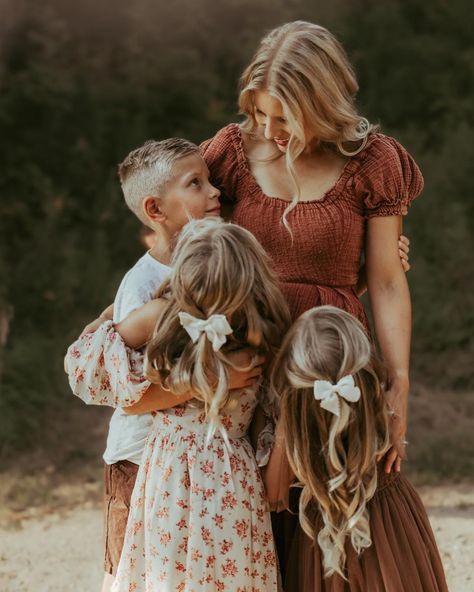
{"x":83,"y":83}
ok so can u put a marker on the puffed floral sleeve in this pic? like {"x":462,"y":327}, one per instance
{"x":102,"y":370}
{"x":388,"y":179}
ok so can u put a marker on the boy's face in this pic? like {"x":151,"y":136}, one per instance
{"x":189,"y":194}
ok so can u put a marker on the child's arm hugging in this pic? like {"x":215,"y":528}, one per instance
{"x":137,"y":330}
{"x":105,"y":368}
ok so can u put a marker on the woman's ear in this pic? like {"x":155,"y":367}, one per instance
{"x":152,"y":210}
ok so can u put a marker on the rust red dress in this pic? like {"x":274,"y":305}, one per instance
{"x":321,"y":266}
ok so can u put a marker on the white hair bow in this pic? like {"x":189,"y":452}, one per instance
{"x":216,"y":328}
{"x":329,"y":393}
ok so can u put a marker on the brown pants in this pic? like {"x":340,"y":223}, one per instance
{"x":119,"y":480}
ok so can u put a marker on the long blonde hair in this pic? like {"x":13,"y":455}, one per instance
{"x":306,"y":68}
{"x":219,"y":268}
{"x":333,"y":457}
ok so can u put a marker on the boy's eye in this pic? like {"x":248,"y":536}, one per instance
{"x":196,"y":182}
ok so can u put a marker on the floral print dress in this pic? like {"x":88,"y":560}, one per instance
{"x":198,"y":519}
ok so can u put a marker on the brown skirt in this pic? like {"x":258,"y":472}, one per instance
{"x":403,"y":556}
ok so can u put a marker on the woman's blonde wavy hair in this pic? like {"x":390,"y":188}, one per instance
{"x":218,"y":268}
{"x":333,"y":457}
{"x":304,"y":66}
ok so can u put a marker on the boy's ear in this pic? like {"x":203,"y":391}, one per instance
{"x":151,"y":207}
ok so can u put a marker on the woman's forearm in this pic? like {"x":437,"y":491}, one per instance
{"x":391,"y":309}
{"x":390,"y":305}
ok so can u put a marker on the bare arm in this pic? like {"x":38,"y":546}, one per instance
{"x":277,"y":475}
{"x":258,"y":423}
{"x":105,"y":315}
{"x":403,"y":251}
{"x":391,"y":309}
{"x":155,"y":399}
{"x":108,"y":313}
{"x":137,"y":328}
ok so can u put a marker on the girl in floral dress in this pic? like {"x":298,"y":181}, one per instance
{"x":198,"y":518}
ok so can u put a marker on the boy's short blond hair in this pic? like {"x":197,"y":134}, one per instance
{"x":146,"y":170}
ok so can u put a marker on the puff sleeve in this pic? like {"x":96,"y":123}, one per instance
{"x":220,"y":154}
{"x":102,"y":370}
{"x":388,"y":179}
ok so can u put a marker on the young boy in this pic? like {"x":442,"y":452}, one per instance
{"x":165,"y":184}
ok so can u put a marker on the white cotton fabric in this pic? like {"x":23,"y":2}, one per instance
{"x":128,"y":433}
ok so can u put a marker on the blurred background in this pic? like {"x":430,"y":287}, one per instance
{"x":83,"y":83}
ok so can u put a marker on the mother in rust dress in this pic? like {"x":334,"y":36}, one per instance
{"x":319,"y":187}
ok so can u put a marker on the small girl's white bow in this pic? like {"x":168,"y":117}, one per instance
{"x":329,"y":393}
{"x":215,"y":327}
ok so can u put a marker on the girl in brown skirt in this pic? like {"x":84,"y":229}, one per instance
{"x":369,"y":529}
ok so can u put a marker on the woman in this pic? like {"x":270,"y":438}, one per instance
{"x":318,"y":187}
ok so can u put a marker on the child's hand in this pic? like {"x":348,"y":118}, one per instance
{"x":247,"y":370}
{"x":106,"y":315}
{"x":92,"y":327}
{"x":404,"y":249}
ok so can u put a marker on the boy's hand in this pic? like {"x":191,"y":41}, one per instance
{"x":247,"y":370}
{"x":404,"y":249}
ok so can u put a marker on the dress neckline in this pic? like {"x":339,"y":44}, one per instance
{"x":334,"y":192}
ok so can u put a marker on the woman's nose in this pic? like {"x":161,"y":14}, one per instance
{"x":270,"y":129}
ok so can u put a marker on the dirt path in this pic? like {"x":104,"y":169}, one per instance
{"x":61,"y":552}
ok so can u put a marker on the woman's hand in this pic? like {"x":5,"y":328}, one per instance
{"x":397,"y":398}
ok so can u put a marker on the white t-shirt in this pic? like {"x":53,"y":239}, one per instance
{"x":128,"y":433}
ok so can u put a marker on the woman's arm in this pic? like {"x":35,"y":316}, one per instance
{"x":137,"y":329}
{"x":403,"y":251}
{"x":391,"y":310}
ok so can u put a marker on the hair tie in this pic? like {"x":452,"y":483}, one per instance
{"x":216,"y":328}
{"x":329,"y":393}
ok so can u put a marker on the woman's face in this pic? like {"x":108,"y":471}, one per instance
{"x":269,"y":115}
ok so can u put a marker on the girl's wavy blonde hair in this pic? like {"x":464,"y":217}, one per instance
{"x":304,"y":66}
{"x":333,"y":457}
{"x":218,"y":268}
